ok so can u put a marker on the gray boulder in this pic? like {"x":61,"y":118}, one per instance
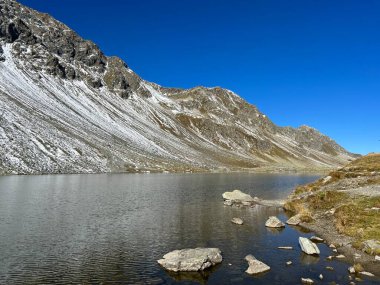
{"x":255,"y":266}
{"x":308,"y":246}
{"x":236,"y":196}
{"x":196,"y":259}
{"x":295,"y":220}
{"x":274,"y":222}
{"x":237,"y":221}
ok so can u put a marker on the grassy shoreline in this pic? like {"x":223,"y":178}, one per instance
{"x":344,"y":208}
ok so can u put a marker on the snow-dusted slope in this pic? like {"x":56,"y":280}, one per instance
{"x":65,"y":107}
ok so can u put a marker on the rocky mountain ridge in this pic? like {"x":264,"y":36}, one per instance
{"x":68,"y":108}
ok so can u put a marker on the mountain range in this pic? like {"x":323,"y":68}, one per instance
{"x":66,"y":107}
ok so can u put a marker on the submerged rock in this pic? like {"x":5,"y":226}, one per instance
{"x":295,"y":220}
{"x":274,"y":222}
{"x":308,"y":246}
{"x":238,"y":197}
{"x":196,"y":259}
{"x":285,"y":247}
{"x":255,"y":266}
{"x":237,"y":221}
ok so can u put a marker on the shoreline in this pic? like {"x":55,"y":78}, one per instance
{"x":317,"y":171}
{"x":326,"y":231}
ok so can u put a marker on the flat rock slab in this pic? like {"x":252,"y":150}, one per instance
{"x":237,"y":221}
{"x":236,"y":196}
{"x":196,"y":259}
{"x":308,"y":246}
{"x":255,"y":266}
{"x":285,"y":247}
{"x":274,"y":222}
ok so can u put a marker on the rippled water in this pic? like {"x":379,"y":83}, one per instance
{"x":111,"y":229}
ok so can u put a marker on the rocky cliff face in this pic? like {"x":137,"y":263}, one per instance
{"x":68,"y":108}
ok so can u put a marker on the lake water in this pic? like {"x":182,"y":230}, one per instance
{"x":111,"y":229}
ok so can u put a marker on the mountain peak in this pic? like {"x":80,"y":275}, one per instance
{"x":69,"y":108}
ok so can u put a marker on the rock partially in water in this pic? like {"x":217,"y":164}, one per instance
{"x":295,"y":220}
{"x":340,"y":256}
{"x":238,"y":197}
{"x":289,"y":263}
{"x":255,"y":266}
{"x":316,"y":239}
{"x":274,"y":222}
{"x":237,"y":221}
{"x":196,"y":259}
{"x":367,"y":273}
{"x":308,"y":246}
{"x":307,"y":281}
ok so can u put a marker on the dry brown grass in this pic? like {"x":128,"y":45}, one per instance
{"x":370,"y":162}
{"x":356,"y":219}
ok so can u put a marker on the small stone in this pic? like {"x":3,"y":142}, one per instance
{"x":332,"y":246}
{"x":367,"y":273}
{"x":316,"y":239}
{"x":307,"y":281}
{"x":274,"y":222}
{"x":357,"y":255}
{"x":340,"y":256}
{"x":351,"y":269}
{"x":285,"y":247}
{"x":326,"y":179}
{"x":321,"y":276}
{"x":289,"y":263}
{"x":228,"y":203}
{"x":358,"y":279}
{"x":329,"y":257}
{"x":335,"y":250}
{"x":237,"y":221}
{"x":330,"y":268}
{"x":377,"y":258}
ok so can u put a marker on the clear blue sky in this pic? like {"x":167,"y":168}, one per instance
{"x":313,"y":62}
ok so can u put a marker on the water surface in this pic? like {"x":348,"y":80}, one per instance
{"x":111,"y":229}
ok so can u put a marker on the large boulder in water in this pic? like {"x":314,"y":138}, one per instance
{"x":308,"y":246}
{"x":196,"y":259}
{"x":274,"y":222}
{"x":237,"y":196}
{"x":255,"y":266}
